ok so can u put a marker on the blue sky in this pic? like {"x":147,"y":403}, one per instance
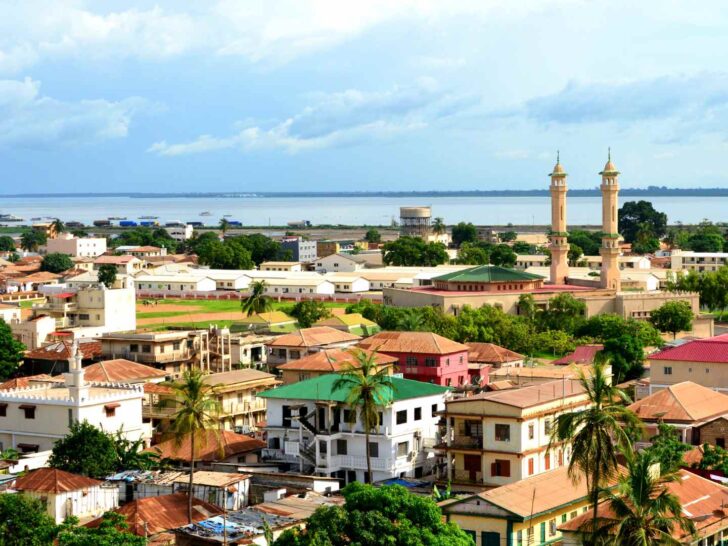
{"x":221,"y":95}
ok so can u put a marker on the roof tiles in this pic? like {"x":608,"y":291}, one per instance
{"x":412,"y":342}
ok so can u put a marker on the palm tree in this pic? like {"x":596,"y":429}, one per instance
{"x":438,"y":226}
{"x":196,"y":416}
{"x":597,"y":433}
{"x":643,"y":511}
{"x":224,"y":226}
{"x":256,"y":302}
{"x":58,"y":226}
{"x":410,"y":322}
{"x":368,"y":388}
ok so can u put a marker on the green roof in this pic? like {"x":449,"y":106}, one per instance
{"x":273,"y":317}
{"x":488,"y":273}
{"x":322,"y":388}
{"x":351,"y":319}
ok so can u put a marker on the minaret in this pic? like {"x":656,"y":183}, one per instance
{"x":74,"y":379}
{"x":559,"y":246}
{"x":610,"y":277}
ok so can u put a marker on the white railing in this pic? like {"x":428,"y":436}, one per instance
{"x":359,"y":462}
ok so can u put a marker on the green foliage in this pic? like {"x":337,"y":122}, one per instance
{"x":673,"y":317}
{"x":473,"y":254}
{"x":714,"y":458}
{"x":507,"y":236}
{"x":588,"y":241}
{"x":556,"y":342}
{"x":438,"y":226}
{"x":11,"y":352}
{"x":85,"y":450}
{"x":372,"y":236}
{"x":308,"y":312}
{"x":413,"y":251}
{"x":564,"y":312}
{"x":107,"y":275}
{"x":79,"y":233}
{"x":31,"y":239}
{"x":575,"y":252}
{"x":503,"y":255}
{"x":711,"y":285}
{"x":464,"y":233}
{"x":7,"y":244}
{"x":55,"y":262}
{"x":24,"y":522}
{"x":256,"y":302}
{"x":641,"y":216}
{"x":522,"y":247}
{"x":112,"y":531}
{"x":667,"y":448}
{"x":227,"y":254}
{"x":706,"y":238}
{"x":146,"y":236}
{"x":130,"y":454}
{"x":388,"y":515}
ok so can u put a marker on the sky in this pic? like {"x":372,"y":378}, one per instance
{"x":317,"y":95}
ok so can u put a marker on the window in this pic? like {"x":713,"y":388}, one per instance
{"x":401,"y":417}
{"x":341,"y":447}
{"x":29,"y":411}
{"x":502,"y":433}
{"x":530,"y":466}
{"x":146,"y":348}
{"x":531,"y":431}
{"x":418,"y":414}
{"x":411,"y":361}
{"x":110,"y":409}
{"x":373,"y":449}
{"x":547,"y":461}
{"x":133,"y":348}
{"x":434,"y":409}
{"x":547,"y":427}
{"x":573,"y":515}
{"x":667,"y":370}
{"x":430,"y":362}
{"x":176,"y":346}
{"x":449,"y":382}
{"x":519,"y":538}
{"x":552,"y":527}
{"x":240,"y":398}
{"x":3,"y":410}
{"x":322,"y":447}
{"x":501,"y":467}
{"x":563,"y":518}
{"x":347,"y":416}
{"x":402,"y":449}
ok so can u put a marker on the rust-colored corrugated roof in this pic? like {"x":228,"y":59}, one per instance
{"x":121,"y":370}
{"x":215,"y":479}
{"x":583,"y":354}
{"x":714,"y":349}
{"x":246,"y":375}
{"x":125,"y":259}
{"x":312,"y":337}
{"x":334,"y":360}
{"x":490,"y":353}
{"x":23,"y":382}
{"x":693,"y":457}
{"x":527,"y":397}
{"x":153,"y":388}
{"x":52,"y":480}
{"x":412,"y":342}
{"x":154,"y":515}
{"x":685,"y":402}
{"x":702,"y":501}
{"x":40,"y":276}
{"x":214,"y":447}
{"x":61,"y":350}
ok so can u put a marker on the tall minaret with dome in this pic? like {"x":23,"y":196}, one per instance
{"x":609,"y":251}
{"x":559,"y":245}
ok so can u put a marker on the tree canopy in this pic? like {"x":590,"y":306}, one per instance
{"x":637,"y":217}
{"x":673,"y":317}
{"x":372,"y":236}
{"x":85,"y":450}
{"x":588,"y":241}
{"x":464,"y":232}
{"x":56,"y":262}
{"x":413,"y":251}
{"x":7,"y":244}
{"x":667,"y":448}
{"x":31,"y":239}
{"x":107,"y":275}
{"x":146,"y":236}
{"x":308,"y":312}
{"x":112,"y":531}
{"x":11,"y":352}
{"x":25,"y":522}
{"x":374,"y":516}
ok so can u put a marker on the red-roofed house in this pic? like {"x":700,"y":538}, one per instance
{"x":67,"y":494}
{"x":124,"y":264}
{"x":702,"y":361}
{"x":424,"y":356}
{"x":220,"y":446}
{"x":583,"y":354}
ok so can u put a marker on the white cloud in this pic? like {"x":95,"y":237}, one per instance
{"x":339,"y":119}
{"x":29,"y":119}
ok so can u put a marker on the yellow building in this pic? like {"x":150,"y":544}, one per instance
{"x":527,"y":512}
{"x":501,"y":437}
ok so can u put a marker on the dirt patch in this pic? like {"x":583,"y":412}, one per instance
{"x":166,"y":307}
{"x":190,"y":317}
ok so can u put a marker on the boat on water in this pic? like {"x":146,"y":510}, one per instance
{"x":148,"y":217}
{"x":206,"y":213}
{"x":116,"y":218}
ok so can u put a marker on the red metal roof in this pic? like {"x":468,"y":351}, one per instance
{"x":714,"y":349}
{"x":63,"y":295}
{"x":583,"y":354}
{"x":216,"y":446}
{"x":52,"y":480}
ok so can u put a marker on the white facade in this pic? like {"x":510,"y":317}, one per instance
{"x":349,"y":284}
{"x":83,"y":247}
{"x":83,"y":503}
{"x":174,"y":283}
{"x":687,"y":260}
{"x":9,"y":313}
{"x":180,"y":233}
{"x":298,"y":286}
{"x":34,"y":332}
{"x":339,"y":262}
{"x":398,"y":449}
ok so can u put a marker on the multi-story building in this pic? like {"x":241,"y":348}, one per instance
{"x":687,"y":260}
{"x":83,"y":247}
{"x":308,"y":426}
{"x":180,"y":233}
{"x":302,"y":250}
{"x":424,"y":356}
{"x":501,"y":437}
{"x":306,"y":341}
{"x":330,"y":361}
{"x":241,"y":409}
{"x":281,"y":266}
{"x":340,"y":262}
{"x":125,"y":265}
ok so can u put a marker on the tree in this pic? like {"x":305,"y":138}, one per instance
{"x":377,"y":515}
{"x":261,"y":248}
{"x":472,"y":254}
{"x":557,"y":342}
{"x":522,"y":247}
{"x":438,"y":226}
{"x":507,"y":236}
{"x":627,"y":355}
{"x":597,"y":433}
{"x":368,"y":389}
{"x":56,"y":262}
{"x":224,"y":226}
{"x":636,"y":216}
{"x":309,"y":311}
{"x":645,"y":241}
{"x":197,"y":414}
{"x":588,"y":241}
{"x":25,"y":522}
{"x":503,"y":255}
{"x":11,"y":352}
{"x":256,"y":302}
{"x":673,"y":316}
{"x":667,"y":449}
{"x":228,"y":254}
{"x":7,"y":244}
{"x":575,"y":252}
{"x":130,"y":454}
{"x":58,"y":226}
{"x":464,"y":233}
{"x":146,"y":236}
{"x":714,"y":458}
{"x":31,"y":239}
{"x":413,"y":251}
{"x":644,"y":510}
{"x":112,"y":531}
{"x":80,"y":233}
{"x":410,"y":322}
{"x":373,"y":236}
{"x":564,"y":312}
{"x":85,"y":450}
{"x":706,"y":242}
{"x":107,"y":275}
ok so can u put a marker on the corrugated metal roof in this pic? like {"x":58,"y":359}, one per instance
{"x":412,"y":342}
{"x":490,"y":353}
{"x":120,"y":370}
{"x":714,"y":349}
{"x":215,"y":446}
{"x":52,"y":480}
{"x":312,"y":337}
{"x":333,"y":360}
{"x":686,"y":402}
{"x":583,"y":354}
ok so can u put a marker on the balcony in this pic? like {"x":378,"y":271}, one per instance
{"x":156,"y":411}
{"x":157,"y":358}
{"x":247,"y":406}
{"x":354,"y":462}
{"x":467,"y":442}
{"x":467,"y":476}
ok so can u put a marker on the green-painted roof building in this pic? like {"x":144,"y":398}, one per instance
{"x":487,"y":278}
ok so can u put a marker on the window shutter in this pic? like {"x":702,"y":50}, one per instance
{"x":506,"y":468}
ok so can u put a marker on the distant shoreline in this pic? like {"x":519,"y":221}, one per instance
{"x":652,"y":191}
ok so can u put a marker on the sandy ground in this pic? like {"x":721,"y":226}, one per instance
{"x":190,"y":317}
{"x":165,"y":307}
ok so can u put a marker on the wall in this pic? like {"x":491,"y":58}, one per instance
{"x":85,"y":503}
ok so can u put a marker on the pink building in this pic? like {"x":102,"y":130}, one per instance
{"x":424,"y":356}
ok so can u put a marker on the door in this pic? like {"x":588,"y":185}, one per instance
{"x":472,"y":466}
{"x":488,"y":538}
{"x":321,"y":418}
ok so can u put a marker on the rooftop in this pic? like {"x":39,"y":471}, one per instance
{"x":490,"y":353}
{"x":273,"y":317}
{"x":333,"y":360}
{"x":52,"y":480}
{"x":61,"y":350}
{"x":686,"y":401}
{"x":527,"y":397}
{"x":322,"y":388}
{"x":24,"y":382}
{"x":488,"y":273}
{"x":351,"y":319}
{"x":120,"y":370}
{"x":583,"y":354}
{"x":714,"y":349}
{"x":233,"y":377}
{"x":312,"y":337}
{"x":115,"y":260}
{"x":412,"y":342}
{"x":215,"y":446}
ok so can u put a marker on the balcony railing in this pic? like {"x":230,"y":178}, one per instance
{"x":157,"y":411}
{"x":159,"y":358}
{"x":467,"y":442}
{"x":467,"y":476}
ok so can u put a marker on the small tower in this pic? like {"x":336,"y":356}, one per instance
{"x":74,"y":379}
{"x":558,"y":246}
{"x":609,"y":251}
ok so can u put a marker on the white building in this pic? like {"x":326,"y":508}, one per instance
{"x":307,"y":426}
{"x":348,"y":283}
{"x":33,"y":332}
{"x":281,"y":266}
{"x":33,"y":418}
{"x":299,"y":286}
{"x":9,"y":313}
{"x":127,"y":265}
{"x":65,"y":494}
{"x":78,"y":247}
{"x":180,"y":233}
{"x":687,"y":260}
{"x":340,"y":262}
{"x":174,"y":283}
